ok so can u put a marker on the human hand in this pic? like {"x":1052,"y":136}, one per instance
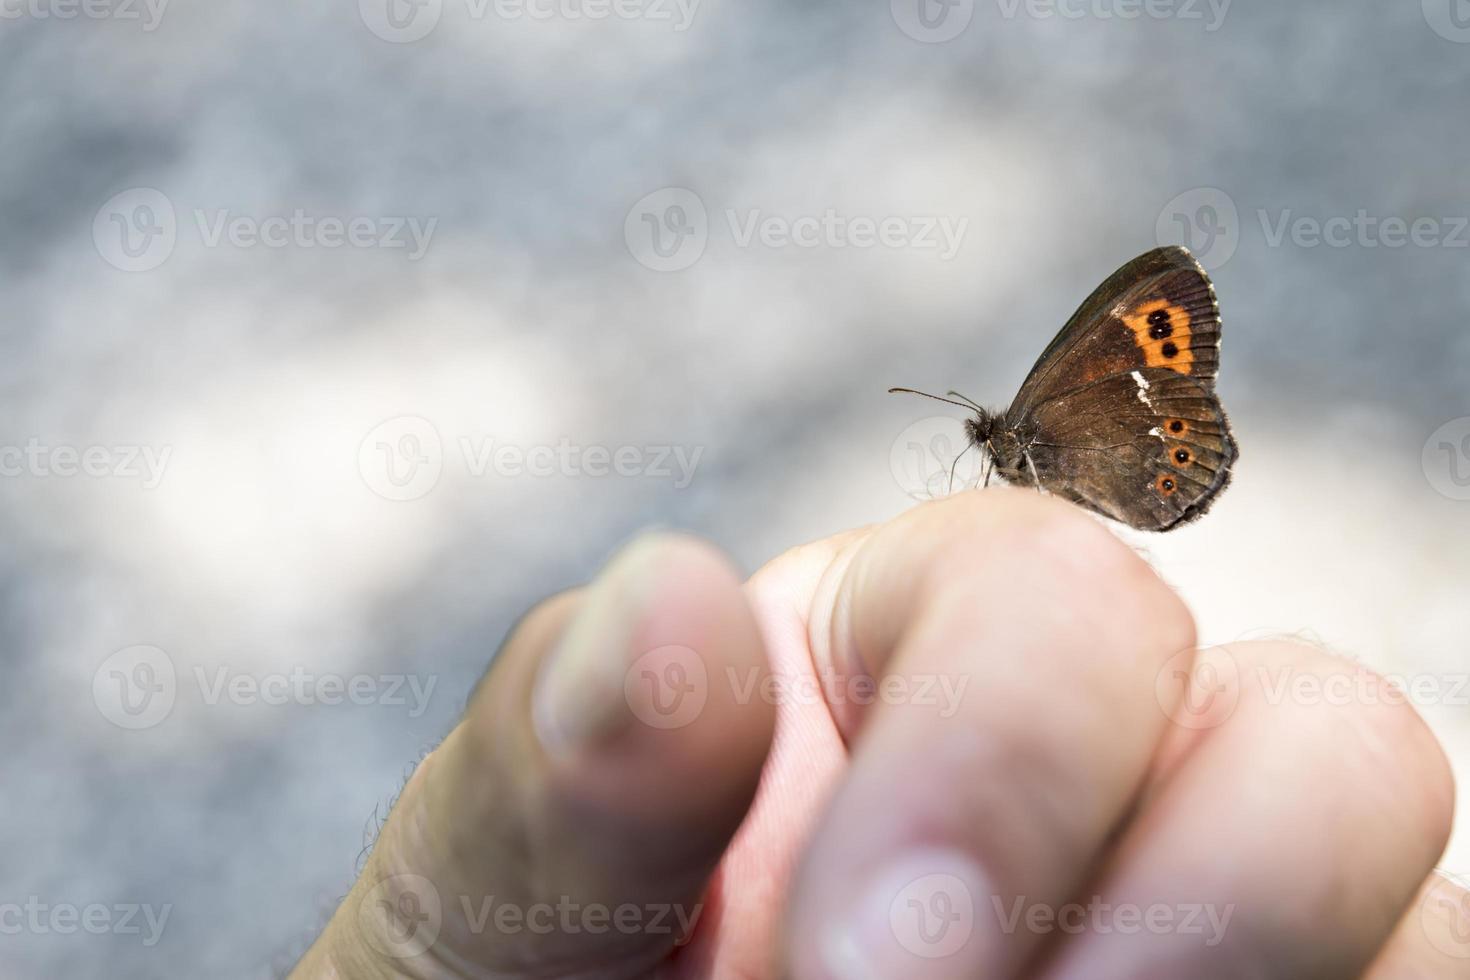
{"x":932,"y":748}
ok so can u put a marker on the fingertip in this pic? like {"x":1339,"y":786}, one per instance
{"x":1371,"y":717}
{"x":650,"y":702}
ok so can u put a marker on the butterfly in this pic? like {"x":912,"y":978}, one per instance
{"x":1120,"y":414}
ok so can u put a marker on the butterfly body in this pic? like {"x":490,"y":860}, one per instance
{"x":1119,"y":414}
{"x":1008,"y":447}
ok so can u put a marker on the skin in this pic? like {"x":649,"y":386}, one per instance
{"x":811,"y":827}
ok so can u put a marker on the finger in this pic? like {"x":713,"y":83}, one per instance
{"x":1287,"y":841}
{"x":568,"y":825}
{"x":1047,"y":633}
{"x":1432,"y":940}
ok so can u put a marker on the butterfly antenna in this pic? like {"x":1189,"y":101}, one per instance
{"x":967,"y":400}
{"x":947,"y":401}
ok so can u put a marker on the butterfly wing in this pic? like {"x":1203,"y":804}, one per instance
{"x":1151,"y":448}
{"x":1157,"y":311}
{"x":1119,"y":414}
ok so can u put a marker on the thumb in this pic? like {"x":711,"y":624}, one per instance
{"x":570,"y":822}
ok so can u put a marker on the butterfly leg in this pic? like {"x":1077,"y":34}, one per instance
{"x":952,"y":467}
{"x":1034,"y":477}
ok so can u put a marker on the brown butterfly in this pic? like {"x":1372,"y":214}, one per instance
{"x":1120,"y":414}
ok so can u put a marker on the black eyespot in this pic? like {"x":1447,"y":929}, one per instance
{"x":1181,"y":455}
{"x":1170,"y":349}
{"x":1158,"y":316}
{"x":1176,"y":426}
{"x":1168,"y":485}
{"x":1160,"y":330}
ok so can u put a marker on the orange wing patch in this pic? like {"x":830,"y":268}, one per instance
{"x":1161,"y":331}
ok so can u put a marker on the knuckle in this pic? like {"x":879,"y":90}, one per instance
{"x":1370,"y":722}
{"x":1103,"y":576}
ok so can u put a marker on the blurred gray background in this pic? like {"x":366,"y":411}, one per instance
{"x":257,"y":436}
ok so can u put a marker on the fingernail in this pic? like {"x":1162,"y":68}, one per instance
{"x":916,"y":917}
{"x":578,"y":698}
